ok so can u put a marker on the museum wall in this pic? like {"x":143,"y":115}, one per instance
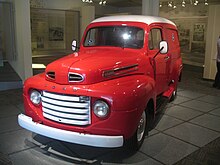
{"x":56,"y":23}
{"x":213,"y":32}
{"x":101,"y":11}
{"x":191,"y":22}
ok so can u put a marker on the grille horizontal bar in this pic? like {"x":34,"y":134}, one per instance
{"x":66,"y":121}
{"x":65,"y":109}
{"x":65,"y":103}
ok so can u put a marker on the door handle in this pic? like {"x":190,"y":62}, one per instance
{"x":166,"y":58}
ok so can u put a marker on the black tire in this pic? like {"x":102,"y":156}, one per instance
{"x":135,"y":142}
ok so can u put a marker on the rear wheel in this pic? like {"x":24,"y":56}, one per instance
{"x":174,"y":94}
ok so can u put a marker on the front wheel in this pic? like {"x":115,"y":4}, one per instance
{"x":137,"y":139}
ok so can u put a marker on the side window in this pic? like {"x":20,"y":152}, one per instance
{"x":155,"y":36}
{"x":90,"y":38}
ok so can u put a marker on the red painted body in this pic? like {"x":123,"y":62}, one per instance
{"x":127,"y":93}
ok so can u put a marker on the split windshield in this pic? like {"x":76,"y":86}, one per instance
{"x":116,"y":36}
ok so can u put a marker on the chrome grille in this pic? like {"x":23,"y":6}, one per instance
{"x":67,"y":109}
{"x":75,"y":77}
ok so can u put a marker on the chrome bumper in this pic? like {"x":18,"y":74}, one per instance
{"x":69,"y":136}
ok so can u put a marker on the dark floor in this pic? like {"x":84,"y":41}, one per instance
{"x":188,"y":133}
{"x":8,"y":74}
{"x":9,"y":79}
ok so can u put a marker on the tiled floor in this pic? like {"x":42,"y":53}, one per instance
{"x":188,"y":133}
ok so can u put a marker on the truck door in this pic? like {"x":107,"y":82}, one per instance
{"x":174,"y":50}
{"x":161,"y":61}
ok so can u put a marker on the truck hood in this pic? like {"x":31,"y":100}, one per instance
{"x":93,"y":65}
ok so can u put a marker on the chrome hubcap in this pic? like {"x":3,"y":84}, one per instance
{"x":141,"y":127}
{"x":174,"y":93}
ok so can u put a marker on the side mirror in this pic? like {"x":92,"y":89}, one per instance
{"x":74,"y":45}
{"x":163,"y":47}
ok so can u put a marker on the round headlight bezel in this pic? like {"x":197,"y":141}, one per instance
{"x":101,"y":112}
{"x":35,"y":97}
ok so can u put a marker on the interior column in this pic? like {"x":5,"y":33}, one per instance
{"x":150,"y":7}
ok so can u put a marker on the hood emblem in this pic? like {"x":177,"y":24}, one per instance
{"x":75,"y":89}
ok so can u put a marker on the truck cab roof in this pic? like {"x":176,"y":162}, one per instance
{"x":134,"y":18}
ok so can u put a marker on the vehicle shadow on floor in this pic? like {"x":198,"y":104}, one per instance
{"x":80,"y":154}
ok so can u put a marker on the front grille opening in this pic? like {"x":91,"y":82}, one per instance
{"x":75,"y":77}
{"x":66,"y":109}
{"x":50,"y":75}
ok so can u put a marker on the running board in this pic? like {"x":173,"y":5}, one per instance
{"x":161,"y":103}
{"x":169,"y":92}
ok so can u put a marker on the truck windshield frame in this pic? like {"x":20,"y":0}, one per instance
{"x":115,"y":36}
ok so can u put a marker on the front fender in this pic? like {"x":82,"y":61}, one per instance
{"x":125,"y":93}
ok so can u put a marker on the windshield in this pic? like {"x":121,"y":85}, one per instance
{"x":119,"y":36}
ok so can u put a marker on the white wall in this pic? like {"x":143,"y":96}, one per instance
{"x":22,"y":63}
{"x":88,"y":14}
{"x":101,"y":11}
{"x":181,"y":12}
{"x":150,"y":7}
{"x":213,"y":32}
{"x":63,"y":4}
{"x":131,"y":10}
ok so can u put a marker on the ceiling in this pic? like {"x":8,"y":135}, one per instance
{"x":124,"y":3}
{"x":130,"y":3}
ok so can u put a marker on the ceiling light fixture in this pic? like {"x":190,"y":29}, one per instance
{"x":103,"y":2}
{"x":196,"y":2}
{"x":174,"y":5}
{"x":183,"y":3}
{"x":206,"y":2}
{"x":87,"y":1}
{"x":170,"y":4}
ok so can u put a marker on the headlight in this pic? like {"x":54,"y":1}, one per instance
{"x":35,"y":97}
{"x":101,"y":109}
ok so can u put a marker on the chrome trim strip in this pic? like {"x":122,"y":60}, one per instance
{"x":123,"y":70}
{"x":69,"y":136}
{"x":65,"y":115}
{"x":66,"y":121}
{"x":65,"y":103}
{"x":60,"y":97}
{"x":64,"y":109}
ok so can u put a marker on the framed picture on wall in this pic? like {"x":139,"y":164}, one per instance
{"x":199,"y":32}
{"x":56,"y":34}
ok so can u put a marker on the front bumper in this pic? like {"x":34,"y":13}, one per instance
{"x":69,"y":136}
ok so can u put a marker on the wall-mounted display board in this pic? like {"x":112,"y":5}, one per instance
{"x":52,"y":31}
